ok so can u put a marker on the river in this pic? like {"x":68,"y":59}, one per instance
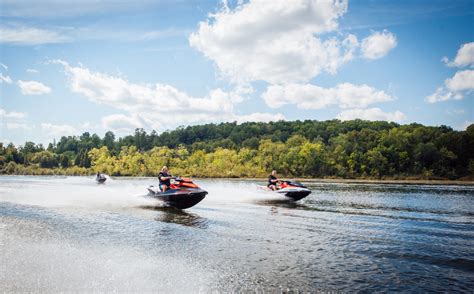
{"x":71,"y":234}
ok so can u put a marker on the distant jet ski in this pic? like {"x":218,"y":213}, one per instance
{"x":183,"y":193}
{"x":293,"y":190}
{"x":100,"y":179}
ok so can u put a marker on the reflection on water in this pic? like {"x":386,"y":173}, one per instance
{"x":286,"y":203}
{"x":178,"y":216}
{"x":183,"y":218}
{"x":70,"y":234}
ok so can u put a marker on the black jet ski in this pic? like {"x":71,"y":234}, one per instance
{"x":183,"y":193}
{"x":100,"y":179}
{"x":290,"y":189}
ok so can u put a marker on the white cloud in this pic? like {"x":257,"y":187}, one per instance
{"x":29,"y":36}
{"x":442,"y":94}
{"x":13,"y":120}
{"x":260,"y":117}
{"x":5,"y":79}
{"x":465,"y":124}
{"x":12,"y":114}
{"x":58,"y":130}
{"x":17,"y":126}
{"x":152,"y":101}
{"x":371,"y":114}
{"x":155,"y":106}
{"x":54,"y":131}
{"x":33,"y":88}
{"x":120,"y":123}
{"x":462,"y":81}
{"x":464,"y":57}
{"x":307,"y":96}
{"x":276,"y":43}
{"x":378,"y":44}
{"x":31,"y":70}
{"x":454,"y":88}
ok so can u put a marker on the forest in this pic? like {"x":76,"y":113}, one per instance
{"x":354,"y":149}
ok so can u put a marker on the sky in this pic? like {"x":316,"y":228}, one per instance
{"x":67,"y":67}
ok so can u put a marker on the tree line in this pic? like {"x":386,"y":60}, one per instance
{"x":349,"y":149}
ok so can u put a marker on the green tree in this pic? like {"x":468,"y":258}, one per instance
{"x":45,"y":159}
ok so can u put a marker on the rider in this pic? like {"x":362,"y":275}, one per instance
{"x":273,"y":181}
{"x":164,"y":178}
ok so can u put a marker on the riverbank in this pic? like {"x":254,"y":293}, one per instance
{"x":464,"y":182}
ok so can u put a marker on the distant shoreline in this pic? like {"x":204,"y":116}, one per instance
{"x":365,"y":181}
{"x":307,"y":180}
{"x":398,"y":182}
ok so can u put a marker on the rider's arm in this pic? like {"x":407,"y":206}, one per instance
{"x":162,"y":177}
{"x":169,"y":177}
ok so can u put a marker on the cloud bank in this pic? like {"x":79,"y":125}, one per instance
{"x":276,"y":43}
{"x":156,"y":106}
{"x":372,"y":114}
{"x":287,"y":46}
{"x":464,"y":56}
{"x":307,"y":96}
{"x":462,"y":83}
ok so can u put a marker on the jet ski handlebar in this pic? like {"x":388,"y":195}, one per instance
{"x":293,"y":183}
{"x":180,"y":179}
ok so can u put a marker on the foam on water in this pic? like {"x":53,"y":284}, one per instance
{"x":53,"y":263}
{"x":225,"y":191}
{"x":74,"y":192}
{"x":115,"y":193}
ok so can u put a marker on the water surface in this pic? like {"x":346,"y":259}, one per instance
{"x":68,"y":233}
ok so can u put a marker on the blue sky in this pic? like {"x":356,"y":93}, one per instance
{"x":95,"y":66}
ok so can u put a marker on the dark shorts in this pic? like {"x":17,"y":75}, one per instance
{"x":269,"y":185}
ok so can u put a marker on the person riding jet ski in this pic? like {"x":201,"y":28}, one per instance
{"x":181,"y":194}
{"x":273,"y":181}
{"x":165,"y":179}
{"x":291,"y":189}
{"x":100,"y":178}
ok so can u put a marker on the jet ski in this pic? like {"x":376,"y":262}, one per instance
{"x":294,"y":190}
{"x":100,"y":179}
{"x":182,"y":194}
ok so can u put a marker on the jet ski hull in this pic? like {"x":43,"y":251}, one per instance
{"x":101,"y":180}
{"x":179,"y":198}
{"x":296,"y":195}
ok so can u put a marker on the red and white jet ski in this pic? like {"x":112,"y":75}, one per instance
{"x":182,"y":194}
{"x":290,"y":189}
